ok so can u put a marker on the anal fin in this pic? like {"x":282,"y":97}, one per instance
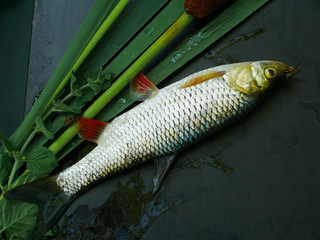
{"x":161,"y":167}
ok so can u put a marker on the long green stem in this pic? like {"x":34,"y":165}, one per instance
{"x":14,"y":169}
{"x":26,"y":143}
{"x":124,"y":79}
{"x":98,"y":13}
{"x":17,"y":162}
{"x":93,"y":42}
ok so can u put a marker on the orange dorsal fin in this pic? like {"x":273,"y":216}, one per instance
{"x":142,"y":88}
{"x":202,"y":78}
{"x":90,"y":129}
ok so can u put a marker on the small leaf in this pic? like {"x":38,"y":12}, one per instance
{"x":107,"y":83}
{"x":26,"y":178}
{"x":75,"y":91}
{"x":100,"y":79}
{"x":5,"y":166}
{"x":61,"y":107}
{"x":41,"y":128}
{"x":41,"y":161}
{"x":95,"y":76}
{"x":5,"y":141}
{"x":96,"y":80}
{"x":52,"y":232}
{"x":108,"y":76}
{"x":87,"y":96}
{"x":17,"y":218}
{"x":47,"y":133}
{"x":94,"y":86}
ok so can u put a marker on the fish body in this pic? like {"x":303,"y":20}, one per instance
{"x":167,"y":122}
{"x":177,"y":116}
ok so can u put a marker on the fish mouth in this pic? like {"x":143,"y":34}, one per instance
{"x":287,"y":70}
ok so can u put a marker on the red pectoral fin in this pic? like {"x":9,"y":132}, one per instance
{"x":142,"y":88}
{"x":90,"y":129}
{"x":203,"y":78}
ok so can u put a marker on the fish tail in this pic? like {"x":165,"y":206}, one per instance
{"x":51,"y":200}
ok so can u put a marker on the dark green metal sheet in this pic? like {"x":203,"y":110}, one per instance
{"x":15,"y":33}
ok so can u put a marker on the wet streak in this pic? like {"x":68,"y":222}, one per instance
{"x":216,"y":53}
{"x":202,"y":162}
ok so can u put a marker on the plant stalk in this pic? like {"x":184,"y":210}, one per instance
{"x":92,"y":43}
{"x":124,"y":79}
{"x":26,"y":143}
{"x":15,"y":167}
{"x":93,"y":21}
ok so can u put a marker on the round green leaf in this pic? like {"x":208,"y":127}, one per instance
{"x":41,"y":160}
{"x":17,"y":218}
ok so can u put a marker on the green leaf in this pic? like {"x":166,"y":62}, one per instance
{"x":5,"y":141}
{"x":6,"y":165}
{"x":75,"y":91}
{"x":26,"y":178}
{"x":87,"y":96}
{"x":92,"y":22}
{"x":133,"y":19}
{"x":100,"y":79}
{"x":149,"y":34}
{"x":187,"y":50}
{"x":206,"y":36}
{"x":61,"y":107}
{"x":17,"y":218}
{"x":52,"y":232}
{"x":95,"y":80}
{"x":41,"y":128}
{"x":95,"y":76}
{"x":94,"y":86}
{"x":41,"y":161}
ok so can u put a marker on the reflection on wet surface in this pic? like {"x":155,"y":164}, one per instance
{"x":127,"y":214}
{"x":204,"y":161}
{"x":130,"y":210}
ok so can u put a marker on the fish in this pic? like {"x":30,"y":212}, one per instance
{"x":166,"y":122}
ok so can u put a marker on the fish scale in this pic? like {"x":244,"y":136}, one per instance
{"x":160,"y":126}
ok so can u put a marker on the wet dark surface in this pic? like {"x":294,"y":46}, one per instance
{"x":270,"y":189}
{"x":15,"y":32}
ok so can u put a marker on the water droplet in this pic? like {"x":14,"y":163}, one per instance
{"x":122,"y":100}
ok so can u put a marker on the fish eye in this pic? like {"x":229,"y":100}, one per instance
{"x":270,"y":72}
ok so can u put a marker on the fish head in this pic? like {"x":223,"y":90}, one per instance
{"x":255,"y":77}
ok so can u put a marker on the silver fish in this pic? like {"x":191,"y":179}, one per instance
{"x":168,"y":121}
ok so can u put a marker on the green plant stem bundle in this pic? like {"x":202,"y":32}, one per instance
{"x":124,"y":79}
{"x":96,"y":16}
{"x":88,"y":49}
